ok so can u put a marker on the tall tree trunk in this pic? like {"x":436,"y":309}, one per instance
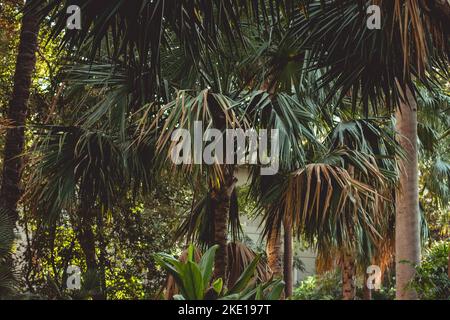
{"x":274,"y":252}
{"x":11,"y":191}
{"x":288,"y":258}
{"x":348,"y":266}
{"x":221,"y":198}
{"x":407,"y":228}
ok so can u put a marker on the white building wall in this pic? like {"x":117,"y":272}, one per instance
{"x":252,"y":230}
{"x":308,"y":257}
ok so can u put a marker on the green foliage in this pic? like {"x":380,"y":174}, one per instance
{"x":385,"y":293}
{"x":6,"y":242}
{"x":218,"y":65}
{"x":194,"y":279}
{"x":130,"y":234}
{"x":432,"y":281}
{"x":325,"y":287}
{"x":9,"y":30}
{"x":328,"y":286}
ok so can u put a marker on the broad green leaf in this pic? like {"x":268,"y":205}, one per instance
{"x":218,"y":285}
{"x":176,"y":271}
{"x":276,"y":290}
{"x":206,"y":264}
{"x":259,"y":293}
{"x":190,"y":253}
{"x":193,"y":282}
{"x":246,"y":276}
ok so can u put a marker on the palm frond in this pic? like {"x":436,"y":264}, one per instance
{"x":195,"y":114}
{"x":71,"y":164}
{"x":198,"y":226}
{"x":374,"y":65}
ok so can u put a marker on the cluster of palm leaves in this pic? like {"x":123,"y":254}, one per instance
{"x":141,"y":71}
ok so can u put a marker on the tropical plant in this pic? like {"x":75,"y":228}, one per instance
{"x":327,"y":286}
{"x":363,"y":151}
{"x":381,"y":69}
{"x":324,"y":287}
{"x":195,"y":279}
{"x":431,"y":280}
{"x":239,"y":258}
{"x":83,"y":174}
{"x":231,"y":64}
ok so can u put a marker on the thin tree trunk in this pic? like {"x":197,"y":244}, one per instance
{"x":11,"y":191}
{"x":348,"y":267}
{"x":221,"y":198}
{"x":102,"y":256}
{"x":448,"y":269}
{"x":367,"y":293}
{"x":348,"y":262}
{"x":288,"y":258}
{"x":86,"y":238}
{"x":274,"y":252}
{"x":407,"y":228}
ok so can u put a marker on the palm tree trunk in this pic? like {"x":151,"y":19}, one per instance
{"x":221,"y":198}
{"x":288,"y":258}
{"x":367,"y":293}
{"x":86,"y":238}
{"x":11,"y":191}
{"x":274,"y":252}
{"x":407,"y":228}
{"x":348,"y":267}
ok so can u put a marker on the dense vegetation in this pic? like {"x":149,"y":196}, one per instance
{"x":86,"y":123}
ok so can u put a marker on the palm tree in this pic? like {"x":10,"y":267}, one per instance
{"x":212,"y":111}
{"x":407,"y":230}
{"x":192,"y":28}
{"x":362,"y":232}
{"x":366,"y":73}
{"x":11,"y":190}
{"x":274,"y":255}
{"x":382,"y":69}
{"x":288,"y":257}
{"x":83,"y":173}
{"x":145,"y":71}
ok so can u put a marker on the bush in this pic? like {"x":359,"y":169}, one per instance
{"x":195,"y":279}
{"x":431,"y":280}
{"x":329,"y":287}
{"x":324,"y":287}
